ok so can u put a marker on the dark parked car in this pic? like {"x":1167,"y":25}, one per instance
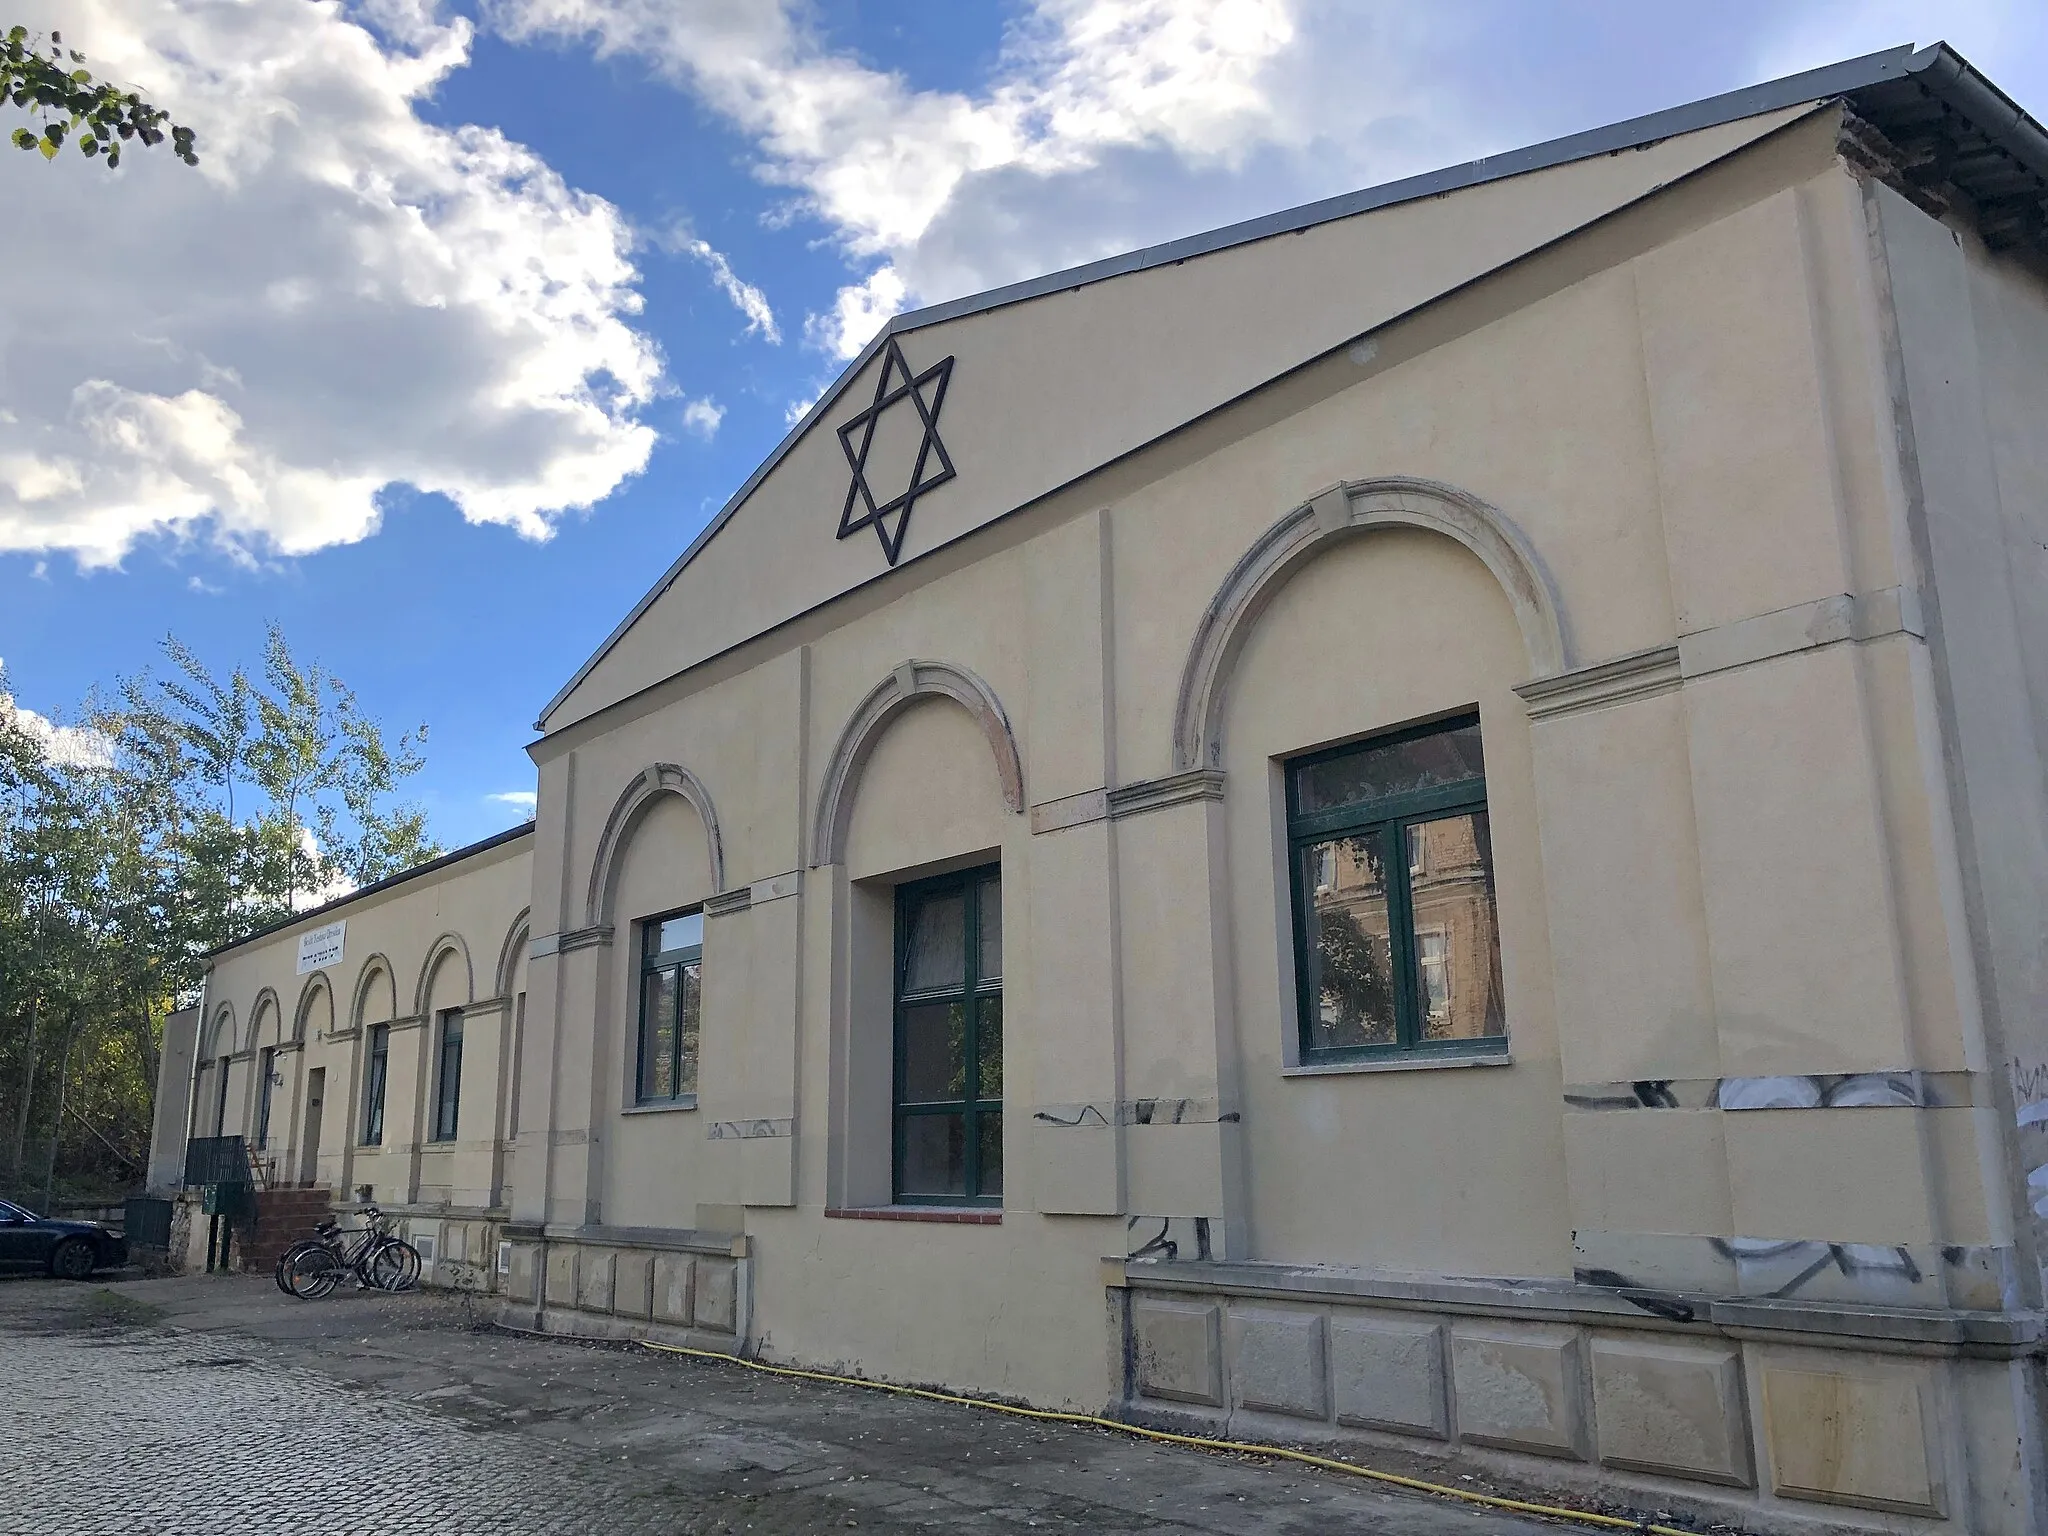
{"x":71,"y":1250}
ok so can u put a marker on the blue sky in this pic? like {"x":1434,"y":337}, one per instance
{"x":477,"y":311}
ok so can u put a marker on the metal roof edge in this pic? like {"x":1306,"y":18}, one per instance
{"x":1633,"y":133}
{"x":2006,"y":125}
{"x":441,"y":861}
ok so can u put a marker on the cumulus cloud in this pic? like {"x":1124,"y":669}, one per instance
{"x":1089,"y":96}
{"x":74,"y":746}
{"x":1111,"y":124}
{"x":343,"y":298}
{"x":336,"y":886}
{"x":701,"y":417}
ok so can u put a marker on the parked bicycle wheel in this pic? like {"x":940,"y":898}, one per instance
{"x":284,"y":1260}
{"x":395,"y":1266}
{"x":313,"y":1272}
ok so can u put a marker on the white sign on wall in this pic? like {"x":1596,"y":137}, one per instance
{"x":321,"y":946}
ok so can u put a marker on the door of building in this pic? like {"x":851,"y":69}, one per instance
{"x":309,"y":1147}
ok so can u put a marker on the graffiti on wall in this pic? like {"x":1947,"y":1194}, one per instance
{"x":1136,"y":1112}
{"x":2030,"y":1100}
{"x":1907,"y":1089}
{"x":1168,"y":1238}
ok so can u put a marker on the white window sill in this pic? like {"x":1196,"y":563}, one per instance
{"x":1399,"y":1064}
{"x":662,"y":1106}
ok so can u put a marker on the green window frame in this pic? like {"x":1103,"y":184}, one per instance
{"x":947,"y":1141}
{"x":1390,"y":867}
{"x":374,"y":1079}
{"x":266,"y":1064}
{"x":448,"y":1077}
{"x":671,"y":1009}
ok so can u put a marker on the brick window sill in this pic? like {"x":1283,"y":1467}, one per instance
{"x":955,"y":1215}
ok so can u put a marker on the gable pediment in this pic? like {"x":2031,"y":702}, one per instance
{"x":962,"y":413}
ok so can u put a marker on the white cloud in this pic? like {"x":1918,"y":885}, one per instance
{"x":336,"y":886}
{"x":1111,"y":124}
{"x":701,"y":417}
{"x":746,"y":298}
{"x":1208,"y":83}
{"x":74,"y":746}
{"x":524,"y":799}
{"x":341,"y":299}
{"x":861,"y":309}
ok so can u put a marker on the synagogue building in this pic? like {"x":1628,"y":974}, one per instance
{"x":1419,"y":824}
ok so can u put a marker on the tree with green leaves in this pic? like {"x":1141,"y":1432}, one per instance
{"x":98,"y":116}
{"x":184,"y":812}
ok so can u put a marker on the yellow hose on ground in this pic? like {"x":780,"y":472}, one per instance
{"x":1202,"y":1442}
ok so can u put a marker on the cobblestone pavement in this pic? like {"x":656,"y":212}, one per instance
{"x":217,"y":1405}
{"x":140,"y":1437}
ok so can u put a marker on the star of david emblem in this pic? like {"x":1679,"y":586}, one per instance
{"x":896,"y":391}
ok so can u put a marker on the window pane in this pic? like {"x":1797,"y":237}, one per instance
{"x":989,"y":1130}
{"x":936,"y":955}
{"x":988,"y":1045}
{"x":449,"y":1103}
{"x":1350,"y":968}
{"x":1457,"y":942}
{"x":657,"y":1034}
{"x":1373,"y":772}
{"x":373,"y":1089}
{"x":991,"y":930}
{"x":934,"y":1155}
{"x":691,"y":1011}
{"x":685,"y":932}
{"x":935,"y":1053}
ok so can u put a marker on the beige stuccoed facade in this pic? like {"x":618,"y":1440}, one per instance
{"x":352,"y":1040}
{"x":1497,"y":735}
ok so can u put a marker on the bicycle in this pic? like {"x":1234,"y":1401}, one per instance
{"x":312,"y":1267}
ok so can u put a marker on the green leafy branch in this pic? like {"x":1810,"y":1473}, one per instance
{"x":100,"y":117}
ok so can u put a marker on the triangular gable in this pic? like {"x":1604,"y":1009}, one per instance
{"x":1030,"y":387}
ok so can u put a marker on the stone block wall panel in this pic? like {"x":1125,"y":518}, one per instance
{"x":1519,"y":1388}
{"x":1278,"y":1362}
{"x":717,"y":1294}
{"x":1855,"y":1435}
{"x":1179,"y":1351}
{"x":633,"y":1285}
{"x":594,"y":1272}
{"x":525,"y":1257}
{"x":1671,"y":1408}
{"x":1388,"y":1373}
{"x":561,"y":1275}
{"x":675,"y":1288}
